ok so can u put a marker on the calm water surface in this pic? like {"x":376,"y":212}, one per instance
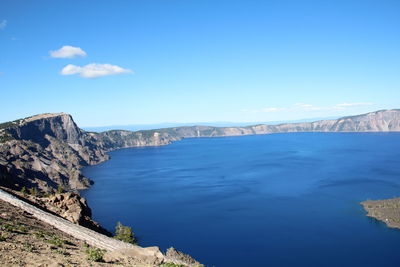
{"x":270,"y":200}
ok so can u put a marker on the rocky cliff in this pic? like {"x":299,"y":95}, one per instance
{"x":45,"y":151}
{"x":48,"y":150}
{"x":379,"y":121}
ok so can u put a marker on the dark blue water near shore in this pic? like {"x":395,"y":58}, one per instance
{"x":272,"y":200}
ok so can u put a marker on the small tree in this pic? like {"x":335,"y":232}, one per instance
{"x":23,"y":190}
{"x":124,"y":233}
{"x":33,"y":191}
{"x":60,"y":189}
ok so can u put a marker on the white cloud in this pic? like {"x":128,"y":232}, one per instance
{"x":3,"y":24}
{"x":265,"y":110}
{"x":355,"y":104}
{"x":272,"y":109}
{"x":68,"y":51}
{"x":93,"y":70}
{"x":308,"y":107}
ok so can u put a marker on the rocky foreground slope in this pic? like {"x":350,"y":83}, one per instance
{"x":48,"y":150}
{"x":30,"y":236}
{"x":27,"y":241}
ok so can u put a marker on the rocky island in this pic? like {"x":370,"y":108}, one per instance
{"x":46,"y":152}
{"x":387,"y":211}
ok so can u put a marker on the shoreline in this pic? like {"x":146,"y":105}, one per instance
{"x":384,"y":210}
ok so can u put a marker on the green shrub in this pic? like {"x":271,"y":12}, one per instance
{"x":124,"y":233}
{"x":28,"y":247}
{"x":33,"y":191}
{"x":56,"y":241}
{"x":46,"y":194}
{"x":60,"y":189}
{"x":40,"y":235}
{"x":94,"y":254}
{"x":23,"y":190}
{"x":16,"y":227}
{"x":3,"y":237}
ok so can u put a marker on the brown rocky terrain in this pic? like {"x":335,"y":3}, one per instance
{"x":68,"y":205}
{"x":26,"y":241}
{"x":25,"y":229}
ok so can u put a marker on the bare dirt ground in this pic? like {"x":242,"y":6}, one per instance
{"x":26,"y":241}
{"x":30,"y":236}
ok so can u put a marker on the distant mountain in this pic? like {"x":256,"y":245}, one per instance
{"x":48,"y":150}
{"x":138,"y":127}
{"x":379,"y":121}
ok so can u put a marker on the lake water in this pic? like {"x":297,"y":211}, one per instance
{"x":267,"y":200}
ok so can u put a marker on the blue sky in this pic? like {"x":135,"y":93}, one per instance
{"x":204,"y":60}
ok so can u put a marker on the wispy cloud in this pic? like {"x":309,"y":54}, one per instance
{"x":94,"y":70}
{"x":355,"y":104}
{"x":308,"y":107}
{"x":68,"y":51}
{"x":3,"y":24}
{"x":272,"y":109}
{"x":264,"y":110}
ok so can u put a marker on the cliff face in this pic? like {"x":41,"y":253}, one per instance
{"x":49,"y":149}
{"x":46,"y":151}
{"x":379,"y":121}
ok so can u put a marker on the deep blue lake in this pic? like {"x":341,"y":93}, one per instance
{"x":266,"y":200}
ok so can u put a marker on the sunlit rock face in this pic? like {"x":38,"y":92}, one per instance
{"x":46,"y":151}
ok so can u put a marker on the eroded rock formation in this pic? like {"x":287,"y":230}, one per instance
{"x":45,"y":151}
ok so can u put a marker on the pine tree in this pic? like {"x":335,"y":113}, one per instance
{"x":124,"y":233}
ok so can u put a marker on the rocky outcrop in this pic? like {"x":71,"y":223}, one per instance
{"x":387,"y":211}
{"x":45,"y":151}
{"x":72,"y":207}
{"x":69,"y":205}
{"x":178,"y":257}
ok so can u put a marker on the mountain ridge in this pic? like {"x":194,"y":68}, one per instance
{"x":48,"y":150}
